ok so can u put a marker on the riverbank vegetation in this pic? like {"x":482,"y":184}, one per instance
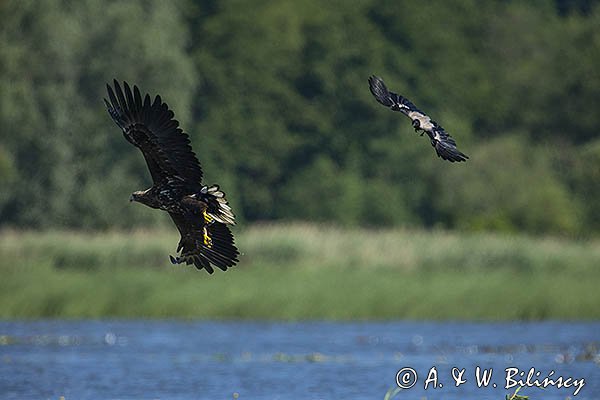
{"x":299,"y":271}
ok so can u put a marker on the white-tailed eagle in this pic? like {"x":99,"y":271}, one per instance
{"x":201,"y":213}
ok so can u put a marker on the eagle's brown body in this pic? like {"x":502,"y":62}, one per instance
{"x":201,"y":213}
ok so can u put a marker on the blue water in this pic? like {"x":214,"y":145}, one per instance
{"x":315,"y":360}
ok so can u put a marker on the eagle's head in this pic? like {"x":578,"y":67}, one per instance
{"x":145,"y":197}
{"x":137,"y":196}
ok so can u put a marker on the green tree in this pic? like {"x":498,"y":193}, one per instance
{"x":275,"y":98}
{"x":509,"y":186}
{"x":71,"y":162}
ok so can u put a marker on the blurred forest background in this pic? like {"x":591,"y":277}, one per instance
{"x":275,"y":97}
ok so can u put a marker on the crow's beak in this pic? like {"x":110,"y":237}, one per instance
{"x":131,"y":198}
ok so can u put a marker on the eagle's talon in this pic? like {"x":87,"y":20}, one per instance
{"x":207,"y":239}
{"x":207,"y":218}
{"x":174,"y":260}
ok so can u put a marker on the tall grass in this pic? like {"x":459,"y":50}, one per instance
{"x":302,"y":271}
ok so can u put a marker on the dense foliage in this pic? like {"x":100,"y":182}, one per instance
{"x":274,"y":95}
{"x":303,"y":271}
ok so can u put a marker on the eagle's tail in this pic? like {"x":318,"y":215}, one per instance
{"x":215,"y":248}
{"x":218,"y":207}
{"x":380,"y":91}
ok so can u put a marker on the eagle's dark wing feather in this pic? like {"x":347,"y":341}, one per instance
{"x":219,"y":250}
{"x":444,"y":144}
{"x":149,"y":125}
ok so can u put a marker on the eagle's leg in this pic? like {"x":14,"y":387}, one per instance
{"x":208,"y":220}
{"x":206,"y":238}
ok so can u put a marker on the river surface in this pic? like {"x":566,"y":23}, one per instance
{"x":133,"y":359}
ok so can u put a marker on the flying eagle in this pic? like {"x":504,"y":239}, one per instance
{"x":201,"y":213}
{"x":444,"y":144}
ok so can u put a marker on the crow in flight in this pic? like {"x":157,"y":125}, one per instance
{"x":444,"y":144}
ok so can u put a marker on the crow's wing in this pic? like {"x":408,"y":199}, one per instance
{"x":149,"y":125}
{"x":444,"y":144}
{"x":390,"y":99}
{"x":204,"y":244}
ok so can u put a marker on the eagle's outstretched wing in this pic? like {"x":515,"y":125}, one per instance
{"x":444,"y":144}
{"x":149,"y":125}
{"x":204,"y":243}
